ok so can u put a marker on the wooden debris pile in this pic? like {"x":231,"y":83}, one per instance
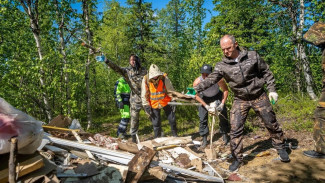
{"x":98,"y":158}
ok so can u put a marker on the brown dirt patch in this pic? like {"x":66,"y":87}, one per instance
{"x":269,"y":168}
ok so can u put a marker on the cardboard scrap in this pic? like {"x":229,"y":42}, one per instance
{"x":158,"y":173}
{"x":60,"y":121}
{"x":197,"y":163}
{"x":179,"y":150}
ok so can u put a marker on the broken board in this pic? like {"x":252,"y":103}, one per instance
{"x":25,"y":165}
{"x":139,"y":164}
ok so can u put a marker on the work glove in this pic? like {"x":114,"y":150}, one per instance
{"x":100,"y":58}
{"x":220,"y":107}
{"x":210,"y":109}
{"x":148,"y":110}
{"x":120,"y":105}
{"x":273,"y":97}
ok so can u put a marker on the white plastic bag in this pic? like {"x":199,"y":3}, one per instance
{"x":14,"y":122}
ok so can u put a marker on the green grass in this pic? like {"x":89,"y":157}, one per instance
{"x":293,"y":112}
{"x":296,"y":112}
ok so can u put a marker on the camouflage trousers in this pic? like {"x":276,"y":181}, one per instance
{"x":238,"y":115}
{"x":135,"y":111}
{"x":319,"y":130}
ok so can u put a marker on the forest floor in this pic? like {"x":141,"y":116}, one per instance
{"x":268,"y":167}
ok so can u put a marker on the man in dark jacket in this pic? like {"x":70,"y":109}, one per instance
{"x":246,"y":73}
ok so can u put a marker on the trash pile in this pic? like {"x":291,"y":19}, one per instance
{"x":62,"y":152}
{"x":107,"y":159}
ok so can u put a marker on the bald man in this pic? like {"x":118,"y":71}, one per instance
{"x":246,"y":73}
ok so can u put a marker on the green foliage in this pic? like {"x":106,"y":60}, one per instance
{"x":173,"y":38}
{"x":295,"y":112}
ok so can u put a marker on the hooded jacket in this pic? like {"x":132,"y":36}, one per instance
{"x":153,"y":72}
{"x":246,"y":78}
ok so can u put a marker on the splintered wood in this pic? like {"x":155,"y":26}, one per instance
{"x":139,"y":164}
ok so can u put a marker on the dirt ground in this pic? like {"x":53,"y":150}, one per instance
{"x":268,"y":167}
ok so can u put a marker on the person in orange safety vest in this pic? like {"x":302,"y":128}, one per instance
{"x":154,"y":88}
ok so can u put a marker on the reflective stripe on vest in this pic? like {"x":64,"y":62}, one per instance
{"x":158,"y":96}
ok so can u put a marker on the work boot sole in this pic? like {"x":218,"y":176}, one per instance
{"x":314,"y":154}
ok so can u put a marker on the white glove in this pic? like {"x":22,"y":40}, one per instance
{"x":220,"y":107}
{"x":210,"y":109}
{"x":274,"y":96}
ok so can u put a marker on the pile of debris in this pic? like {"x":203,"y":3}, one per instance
{"x":67,"y":154}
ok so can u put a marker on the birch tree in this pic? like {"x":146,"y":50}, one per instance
{"x":86,"y":18}
{"x":297,"y":14}
{"x":31,"y":9}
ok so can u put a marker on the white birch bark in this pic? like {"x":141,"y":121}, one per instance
{"x":31,"y":8}
{"x":64,"y":59}
{"x":302,"y":54}
{"x":85,"y":6}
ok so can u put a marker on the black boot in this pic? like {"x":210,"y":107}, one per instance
{"x":204,"y":141}
{"x":225,"y":138}
{"x":174,"y":133}
{"x":134,"y":138}
{"x":284,"y":157}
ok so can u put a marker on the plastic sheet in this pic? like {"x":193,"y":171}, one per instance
{"x":15,"y":123}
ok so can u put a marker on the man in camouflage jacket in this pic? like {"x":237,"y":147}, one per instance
{"x":246,"y":73}
{"x":316,"y":36}
{"x":133,"y":76}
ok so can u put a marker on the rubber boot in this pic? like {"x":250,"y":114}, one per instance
{"x":134,"y":138}
{"x":174,"y":133}
{"x":204,"y":141}
{"x":225,"y":138}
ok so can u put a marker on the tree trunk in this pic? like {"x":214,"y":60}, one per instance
{"x":33,"y":17}
{"x":85,"y":6}
{"x":302,"y":54}
{"x":64,"y":59}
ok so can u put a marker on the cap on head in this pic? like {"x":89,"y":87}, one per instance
{"x":206,"y":68}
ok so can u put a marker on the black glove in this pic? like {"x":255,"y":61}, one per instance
{"x":148,"y":110}
{"x":120,"y":105}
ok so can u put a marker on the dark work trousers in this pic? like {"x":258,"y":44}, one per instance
{"x":122,"y":126}
{"x":156,"y":120}
{"x":203,"y":115}
{"x":238,"y":115}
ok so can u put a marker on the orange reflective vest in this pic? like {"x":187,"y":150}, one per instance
{"x":158,"y":96}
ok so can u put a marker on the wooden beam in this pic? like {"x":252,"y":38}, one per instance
{"x":58,"y":128}
{"x":139,"y":164}
{"x":12,"y":160}
{"x":79,"y":140}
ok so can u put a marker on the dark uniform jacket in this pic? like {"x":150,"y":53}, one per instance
{"x":246,"y":77}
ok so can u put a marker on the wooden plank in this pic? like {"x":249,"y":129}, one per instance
{"x":58,"y":128}
{"x":25,"y":166}
{"x":128,"y":146}
{"x":80,"y":141}
{"x":139,"y":164}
